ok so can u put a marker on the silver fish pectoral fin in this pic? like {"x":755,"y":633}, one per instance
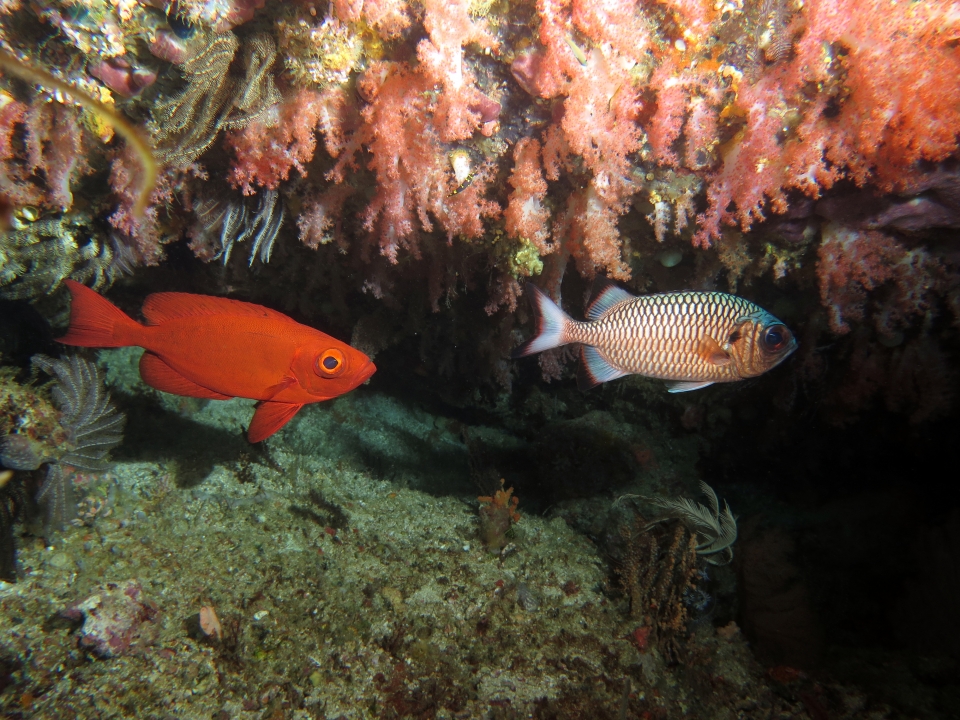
{"x":595,"y":368}
{"x":710,"y":351}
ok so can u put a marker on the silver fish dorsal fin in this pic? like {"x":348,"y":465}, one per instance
{"x":606,"y":295}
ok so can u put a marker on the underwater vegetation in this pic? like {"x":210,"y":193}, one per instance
{"x":88,"y":426}
{"x":36,"y":260}
{"x":12,"y":501}
{"x":498,"y":513}
{"x":658,"y":565}
{"x":233,"y":222}
{"x":187,"y":123}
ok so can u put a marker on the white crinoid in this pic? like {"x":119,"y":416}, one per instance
{"x":716,"y":531}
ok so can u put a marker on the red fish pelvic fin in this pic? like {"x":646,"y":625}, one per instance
{"x":269,"y":417}
{"x":97,"y":322}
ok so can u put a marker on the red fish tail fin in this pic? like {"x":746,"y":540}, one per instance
{"x":552,"y":324}
{"x":96,"y":322}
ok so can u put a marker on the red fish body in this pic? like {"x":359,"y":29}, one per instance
{"x":216,"y":348}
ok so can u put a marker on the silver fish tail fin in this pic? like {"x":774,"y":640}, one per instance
{"x":551,"y":324}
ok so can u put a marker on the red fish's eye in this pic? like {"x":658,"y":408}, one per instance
{"x":331,"y":363}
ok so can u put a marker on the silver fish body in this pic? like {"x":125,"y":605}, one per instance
{"x":689,"y":339}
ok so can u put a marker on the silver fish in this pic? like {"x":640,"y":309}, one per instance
{"x":689,"y":339}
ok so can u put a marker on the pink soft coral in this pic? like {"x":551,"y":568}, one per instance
{"x":284,"y":138}
{"x":461,"y":108}
{"x":854,"y":262}
{"x":598,"y":124}
{"x":882,"y":103}
{"x":526,"y":215}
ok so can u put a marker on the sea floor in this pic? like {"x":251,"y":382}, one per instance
{"x":318,"y":578}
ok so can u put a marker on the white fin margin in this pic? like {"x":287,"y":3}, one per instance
{"x":608,"y":295}
{"x":680,"y":386}
{"x":551,"y":324}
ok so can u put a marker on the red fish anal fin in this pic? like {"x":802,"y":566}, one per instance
{"x":269,"y":417}
{"x":711,"y":352}
{"x":163,"y":307}
{"x":157,"y":374}
{"x":97,"y":322}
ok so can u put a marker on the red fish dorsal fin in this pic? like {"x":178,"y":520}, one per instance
{"x":163,"y":307}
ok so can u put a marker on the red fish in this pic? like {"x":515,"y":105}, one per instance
{"x":216,"y":348}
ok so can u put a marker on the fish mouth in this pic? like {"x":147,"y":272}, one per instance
{"x":365,"y":372}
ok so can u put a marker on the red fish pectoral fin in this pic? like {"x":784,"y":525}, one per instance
{"x":157,"y":374}
{"x":274,"y":390}
{"x":269,"y":417}
{"x":711,"y":352}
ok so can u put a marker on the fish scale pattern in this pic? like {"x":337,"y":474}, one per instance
{"x":659,"y":335}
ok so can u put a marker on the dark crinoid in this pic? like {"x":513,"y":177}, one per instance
{"x":92,"y":425}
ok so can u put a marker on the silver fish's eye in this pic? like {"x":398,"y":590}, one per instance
{"x":775,"y":337}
